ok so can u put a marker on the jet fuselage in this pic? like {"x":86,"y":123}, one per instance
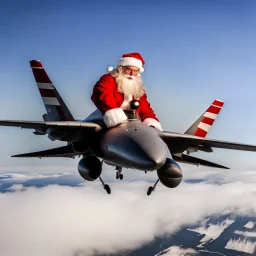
{"x":134,"y":145}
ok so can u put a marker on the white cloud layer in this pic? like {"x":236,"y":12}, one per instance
{"x":21,"y":177}
{"x":241,"y":245}
{"x":61,"y":221}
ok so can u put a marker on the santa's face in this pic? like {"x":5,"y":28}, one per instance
{"x":130,"y":82}
{"x":130,"y":71}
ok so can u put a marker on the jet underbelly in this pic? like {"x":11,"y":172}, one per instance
{"x":134,"y":145}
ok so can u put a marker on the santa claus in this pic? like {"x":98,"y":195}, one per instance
{"x":114,"y":91}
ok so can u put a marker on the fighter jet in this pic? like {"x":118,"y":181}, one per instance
{"x":131,"y":144}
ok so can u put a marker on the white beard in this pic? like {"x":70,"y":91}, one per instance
{"x":133,"y":87}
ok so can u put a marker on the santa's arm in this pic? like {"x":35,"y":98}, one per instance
{"x":147,"y":114}
{"x":103,"y":98}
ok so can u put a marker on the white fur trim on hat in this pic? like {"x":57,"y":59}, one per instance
{"x":153,"y":122}
{"x":110,"y":69}
{"x":130,"y":61}
{"x":114,"y":117}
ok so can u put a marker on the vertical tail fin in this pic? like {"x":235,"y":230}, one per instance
{"x":55,"y":106}
{"x":203,"y":124}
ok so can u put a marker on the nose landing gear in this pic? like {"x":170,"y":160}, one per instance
{"x":119,"y":174}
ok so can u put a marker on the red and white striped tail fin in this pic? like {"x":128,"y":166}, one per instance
{"x":203,"y":124}
{"x":55,"y":106}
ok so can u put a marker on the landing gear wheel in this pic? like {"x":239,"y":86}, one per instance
{"x":118,"y":173}
{"x":150,"y":189}
{"x":107,"y":188}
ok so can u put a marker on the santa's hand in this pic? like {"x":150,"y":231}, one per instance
{"x":153,"y":123}
{"x":113,"y":117}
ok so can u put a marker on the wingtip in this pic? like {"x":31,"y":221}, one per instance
{"x":35,"y":64}
{"x":218,"y":103}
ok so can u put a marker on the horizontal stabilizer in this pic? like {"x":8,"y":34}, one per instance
{"x":196,"y":161}
{"x":66,"y":151}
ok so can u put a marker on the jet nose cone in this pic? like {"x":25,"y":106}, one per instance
{"x":151,"y":158}
{"x":134,"y":145}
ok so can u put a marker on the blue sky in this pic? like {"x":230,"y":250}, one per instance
{"x":195,"y":51}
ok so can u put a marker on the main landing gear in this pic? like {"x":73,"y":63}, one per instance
{"x":119,"y":174}
{"x":105,"y":186}
{"x":151,"y":189}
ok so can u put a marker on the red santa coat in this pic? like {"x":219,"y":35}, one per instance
{"x":108,"y":100}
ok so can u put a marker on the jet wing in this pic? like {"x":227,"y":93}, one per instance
{"x":196,"y":161}
{"x":65,"y":151}
{"x":45,"y":125}
{"x":178,"y":143}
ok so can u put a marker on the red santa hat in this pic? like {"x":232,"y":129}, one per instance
{"x":130,"y":59}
